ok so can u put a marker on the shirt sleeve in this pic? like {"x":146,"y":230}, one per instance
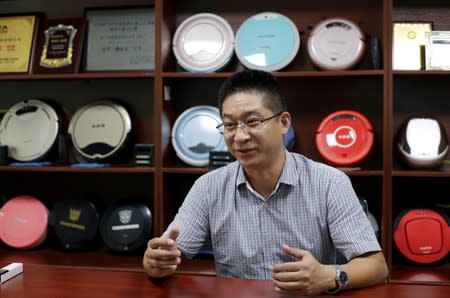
{"x":350,"y":229}
{"x":193,"y":221}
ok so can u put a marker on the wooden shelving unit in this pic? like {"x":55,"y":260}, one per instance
{"x":385,"y":96}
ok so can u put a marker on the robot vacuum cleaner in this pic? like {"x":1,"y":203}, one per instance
{"x":194,"y":135}
{"x":267,"y":41}
{"x":204,"y":42}
{"x":422,"y":235}
{"x":100,"y":130}
{"x":30,"y":129}
{"x":23,"y":222}
{"x":336,"y":44}
{"x":126,"y":227}
{"x":422,"y":142}
{"x":345,"y":138}
{"x":74,"y":223}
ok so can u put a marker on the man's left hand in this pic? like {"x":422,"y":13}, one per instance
{"x":306,"y":276}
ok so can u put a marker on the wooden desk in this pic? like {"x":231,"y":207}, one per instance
{"x":49,"y":281}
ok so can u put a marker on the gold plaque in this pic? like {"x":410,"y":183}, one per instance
{"x":58,"y":47}
{"x":408,"y":45}
{"x":16,"y":43}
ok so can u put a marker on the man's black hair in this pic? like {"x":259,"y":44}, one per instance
{"x":254,"y":81}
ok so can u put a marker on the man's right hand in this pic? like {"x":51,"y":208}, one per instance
{"x":162,"y":257}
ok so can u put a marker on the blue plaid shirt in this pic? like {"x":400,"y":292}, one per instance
{"x":313,"y":207}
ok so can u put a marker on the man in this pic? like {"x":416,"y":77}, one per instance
{"x":272,"y":214}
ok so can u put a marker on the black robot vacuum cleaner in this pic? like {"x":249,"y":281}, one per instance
{"x":126,"y":228}
{"x":74,"y":224}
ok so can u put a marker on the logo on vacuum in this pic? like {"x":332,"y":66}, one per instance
{"x":125,"y":216}
{"x":74,"y":214}
{"x":344,"y":137}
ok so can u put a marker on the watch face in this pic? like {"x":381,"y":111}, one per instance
{"x":343,"y":279}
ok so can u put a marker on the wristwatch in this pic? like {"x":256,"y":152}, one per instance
{"x":341,"y":280}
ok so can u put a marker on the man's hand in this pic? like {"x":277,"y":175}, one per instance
{"x":161,"y":258}
{"x":303,"y":277}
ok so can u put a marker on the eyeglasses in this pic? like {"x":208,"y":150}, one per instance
{"x":227,"y":128}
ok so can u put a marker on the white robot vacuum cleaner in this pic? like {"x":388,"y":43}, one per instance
{"x":100,"y":130}
{"x":30,"y":129}
{"x":422,"y":142}
{"x":204,"y":42}
{"x":194,"y":135}
{"x":336,"y":44}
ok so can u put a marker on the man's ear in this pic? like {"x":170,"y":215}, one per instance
{"x":285,"y":121}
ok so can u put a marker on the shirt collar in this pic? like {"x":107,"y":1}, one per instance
{"x":289,"y":174}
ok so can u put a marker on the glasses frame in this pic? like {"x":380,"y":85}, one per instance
{"x":243,"y":124}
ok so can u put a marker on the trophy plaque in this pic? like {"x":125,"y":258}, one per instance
{"x":119,"y":39}
{"x":60,"y":46}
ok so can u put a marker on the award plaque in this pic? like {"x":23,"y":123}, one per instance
{"x":60,"y":45}
{"x":119,"y":39}
{"x":17,"y":36}
{"x":408,"y":46}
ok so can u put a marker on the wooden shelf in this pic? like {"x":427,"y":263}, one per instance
{"x":431,"y":274}
{"x":99,"y":259}
{"x":80,"y":76}
{"x":294,"y":74}
{"x":67,"y":169}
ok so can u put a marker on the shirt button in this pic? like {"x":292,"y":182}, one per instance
{"x":266,"y":204}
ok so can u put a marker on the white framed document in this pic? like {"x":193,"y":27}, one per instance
{"x":120,"y":39}
{"x":408,"y":46}
{"x":437,"y":50}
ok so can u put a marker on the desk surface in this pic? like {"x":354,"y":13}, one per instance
{"x":47,"y":281}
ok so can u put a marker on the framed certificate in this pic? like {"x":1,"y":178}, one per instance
{"x":120,"y":39}
{"x":17,"y":42}
{"x":437,"y":50}
{"x":60,"y":45}
{"x":409,"y":45}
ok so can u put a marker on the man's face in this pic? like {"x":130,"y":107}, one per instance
{"x":254,"y":146}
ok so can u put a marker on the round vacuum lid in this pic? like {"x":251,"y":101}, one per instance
{"x":29,"y":128}
{"x":420,"y":235}
{"x":100,"y":130}
{"x":267,"y":41}
{"x":23,"y":222}
{"x":422,"y":142}
{"x":126,"y":227}
{"x":194,"y":135}
{"x":74,"y":223}
{"x":336,"y":44}
{"x":203,"y":42}
{"x":345,"y":138}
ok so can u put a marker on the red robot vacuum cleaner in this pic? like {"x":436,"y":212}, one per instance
{"x":422,"y":235}
{"x":345,"y":138}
